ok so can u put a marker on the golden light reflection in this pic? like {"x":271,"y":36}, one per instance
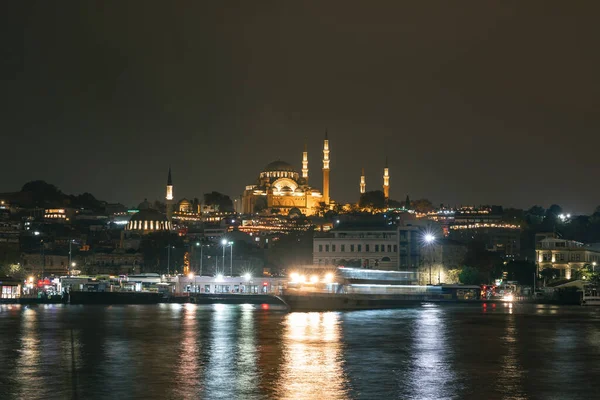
{"x":511,"y":374}
{"x":189,"y":372}
{"x":29,"y":354}
{"x":312,"y":352}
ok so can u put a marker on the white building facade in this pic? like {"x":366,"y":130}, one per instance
{"x":361,"y":247}
{"x":567,"y":256}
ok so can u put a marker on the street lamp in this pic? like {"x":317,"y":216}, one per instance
{"x":224,"y":243}
{"x":429,"y":239}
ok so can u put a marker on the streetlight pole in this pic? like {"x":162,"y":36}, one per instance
{"x":69,"y":267}
{"x":201,"y":258}
{"x":168,"y":259}
{"x":224,"y":244}
{"x":429,"y":239}
{"x":231,"y":258}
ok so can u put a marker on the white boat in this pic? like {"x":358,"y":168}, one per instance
{"x":591,"y":296}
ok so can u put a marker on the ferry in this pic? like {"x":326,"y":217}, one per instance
{"x":355,"y":289}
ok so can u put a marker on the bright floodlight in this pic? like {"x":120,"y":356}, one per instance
{"x":328,"y":277}
{"x":219,"y":277}
{"x":224,"y":242}
{"x":294,"y":277}
{"x":73,"y":264}
{"x":314,"y":279}
{"x":429,"y":238}
{"x":247,"y":276}
{"x":191,"y":275}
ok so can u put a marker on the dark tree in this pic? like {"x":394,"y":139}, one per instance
{"x":218,"y":199}
{"x":422,"y":205}
{"x":394,"y":203}
{"x":372,"y":199}
{"x":470,"y":276}
{"x":43,"y":193}
{"x":554,"y":211}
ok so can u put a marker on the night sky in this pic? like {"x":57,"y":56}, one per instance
{"x":473,"y":102}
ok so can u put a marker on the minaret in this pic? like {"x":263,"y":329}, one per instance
{"x":386,"y":181}
{"x":305,"y":165}
{"x":326,"y":170}
{"x":169,"y":196}
{"x":363,"y":185}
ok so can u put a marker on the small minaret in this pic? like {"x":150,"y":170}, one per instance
{"x":363,"y":184}
{"x":169,"y":196}
{"x":305,"y":165}
{"x":386,"y":181}
{"x":326,"y":170}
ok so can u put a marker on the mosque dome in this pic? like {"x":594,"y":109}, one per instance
{"x":185,"y":205}
{"x":286,"y":190}
{"x":148,"y":220}
{"x":279,"y":166}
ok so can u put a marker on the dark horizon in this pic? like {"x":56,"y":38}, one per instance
{"x":491,"y":103}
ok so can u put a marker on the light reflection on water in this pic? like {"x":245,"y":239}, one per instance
{"x":243,"y":352}
{"x":431,"y":372}
{"x":312,"y":354}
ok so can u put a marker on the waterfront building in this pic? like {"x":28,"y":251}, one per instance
{"x":10,"y":288}
{"x":358,"y":244}
{"x":568,"y":256}
{"x":45,"y":263}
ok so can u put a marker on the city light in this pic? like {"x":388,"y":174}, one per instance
{"x":247,"y":276}
{"x":328,"y":277}
{"x":429,"y":238}
{"x":224,"y":242}
{"x":73,"y":264}
{"x":191,"y":275}
{"x":294,"y":277}
{"x":36,"y":233}
{"x":314,"y":279}
{"x":219,"y":278}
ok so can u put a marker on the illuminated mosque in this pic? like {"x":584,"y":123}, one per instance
{"x":280,"y":186}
